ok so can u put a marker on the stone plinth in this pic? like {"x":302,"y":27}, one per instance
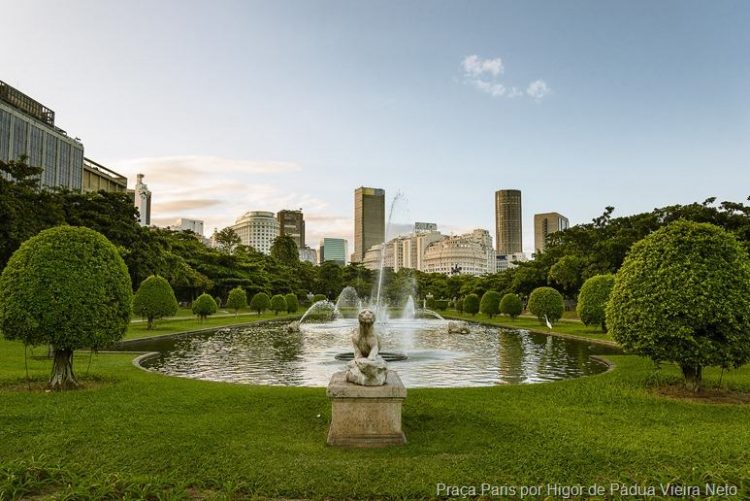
{"x":366,"y":416}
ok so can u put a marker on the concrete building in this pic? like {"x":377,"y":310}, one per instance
{"x":405,"y":251}
{"x":184,"y":224}
{"x":258,"y":229}
{"x":547,"y":223}
{"x":292,"y":223}
{"x":369,"y":220}
{"x":508,"y":229}
{"x":505,"y":262}
{"x":309,"y":255}
{"x":333,"y":249}
{"x":27,"y":127}
{"x":469,"y":254}
{"x":141,"y":197}
{"x":97,"y":177}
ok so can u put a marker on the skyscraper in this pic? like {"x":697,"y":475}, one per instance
{"x":333,"y":249}
{"x":547,"y":223}
{"x":508,"y":231}
{"x":369,"y":220}
{"x":142,"y":201}
{"x":257,"y":229}
{"x":292,"y":223}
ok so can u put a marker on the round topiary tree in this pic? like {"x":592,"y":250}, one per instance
{"x":319,"y":297}
{"x":204,"y":306}
{"x":490,"y":303}
{"x":278,"y":303}
{"x":592,"y":300}
{"x":67,"y":287}
{"x":511,"y":305}
{"x":260,"y":302}
{"x":682,"y":295}
{"x":471,"y":304}
{"x":154,"y":299}
{"x":459,"y":305}
{"x":292,"y":303}
{"x":237,"y":299}
{"x":546,"y":303}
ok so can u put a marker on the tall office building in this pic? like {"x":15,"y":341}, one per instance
{"x":292,"y":223}
{"x":142,"y":201}
{"x":258,"y":229}
{"x":369,"y":220}
{"x":508,"y":231}
{"x":333,"y":249}
{"x":28,"y":128}
{"x":547,"y":223}
{"x":97,"y":177}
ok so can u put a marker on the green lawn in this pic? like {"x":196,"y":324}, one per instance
{"x":182,"y":323}
{"x":137,"y":434}
{"x":567,"y":327}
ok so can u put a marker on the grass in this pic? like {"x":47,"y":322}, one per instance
{"x":135,"y":434}
{"x":182,"y":323}
{"x":566,"y":327}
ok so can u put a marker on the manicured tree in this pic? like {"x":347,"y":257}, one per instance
{"x":431,"y":303}
{"x":490,"y":303}
{"x":237,"y":299}
{"x":204,"y":306}
{"x":260,"y":302}
{"x":154,"y":299}
{"x":292,"y":303}
{"x":546,"y":303}
{"x":278,"y":303}
{"x":67,"y":287}
{"x":319,"y":297}
{"x":471,"y":304}
{"x":511,"y":305}
{"x":592,"y":300}
{"x":682,"y":295}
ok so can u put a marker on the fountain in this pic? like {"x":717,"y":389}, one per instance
{"x":366,"y":398}
{"x":409,"y":311}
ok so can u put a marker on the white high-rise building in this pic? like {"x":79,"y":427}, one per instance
{"x":469,"y":254}
{"x":142,"y":201}
{"x":194,"y":225}
{"x":258,"y":229}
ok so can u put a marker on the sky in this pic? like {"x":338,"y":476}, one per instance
{"x":232,"y":106}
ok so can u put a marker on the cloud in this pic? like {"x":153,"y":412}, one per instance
{"x":484,"y":75}
{"x":476,"y":66}
{"x":537,"y":89}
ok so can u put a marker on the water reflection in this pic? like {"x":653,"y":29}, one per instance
{"x":269,"y":355}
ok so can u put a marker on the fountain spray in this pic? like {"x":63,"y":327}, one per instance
{"x":378,"y":309}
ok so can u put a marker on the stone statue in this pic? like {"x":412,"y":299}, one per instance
{"x":368,"y":368}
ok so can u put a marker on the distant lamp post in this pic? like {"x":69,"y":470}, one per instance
{"x":456,"y":270}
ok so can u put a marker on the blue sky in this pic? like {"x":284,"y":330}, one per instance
{"x":234,"y":106}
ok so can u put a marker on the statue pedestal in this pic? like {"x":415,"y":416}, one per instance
{"x":366,"y":416}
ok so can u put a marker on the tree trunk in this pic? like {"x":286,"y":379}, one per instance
{"x":150,"y":323}
{"x":62,"y":377}
{"x":693,"y":376}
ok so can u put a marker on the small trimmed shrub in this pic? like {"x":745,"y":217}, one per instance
{"x":431,"y":303}
{"x":682,"y":295}
{"x":292,"y":303}
{"x":237,"y":299}
{"x":471,"y":304}
{"x":592,"y":300}
{"x":319,"y":297}
{"x":546,"y":302}
{"x":154,"y":299}
{"x":442,"y":304}
{"x":511,"y":305}
{"x":459,"y":305}
{"x":278,"y":303}
{"x":260,"y":302}
{"x":204,"y":306}
{"x":490,"y":303}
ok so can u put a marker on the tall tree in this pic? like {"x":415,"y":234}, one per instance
{"x":284,"y":248}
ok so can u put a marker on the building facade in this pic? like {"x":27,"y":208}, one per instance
{"x":369,"y":220}
{"x":292,"y":223}
{"x":508,"y":228}
{"x":97,"y":177}
{"x":309,"y":255}
{"x":184,"y":224}
{"x":28,"y":128}
{"x":469,"y":254}
{"x":508,"y":261}
{"x":547,"y":223}
{"x":333,"y":249}
{"x":142,"y":201}
{"x":257,"y":229}
{"x":404,"y":251}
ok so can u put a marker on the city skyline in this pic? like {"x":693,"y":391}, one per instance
{"x":271,"y":106}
